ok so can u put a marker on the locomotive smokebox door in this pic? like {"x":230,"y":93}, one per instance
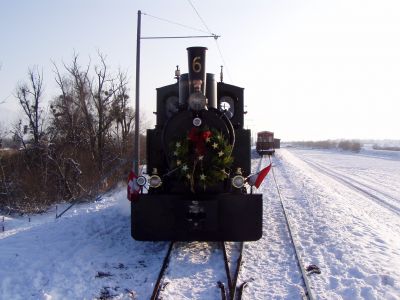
{"x":197,"y":69}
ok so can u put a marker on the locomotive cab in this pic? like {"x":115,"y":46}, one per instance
{"x":198,"y":157}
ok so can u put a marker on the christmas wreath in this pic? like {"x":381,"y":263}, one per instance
{"x":202,"y":158}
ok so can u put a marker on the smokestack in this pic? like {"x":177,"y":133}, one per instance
{"x":197,"y":69}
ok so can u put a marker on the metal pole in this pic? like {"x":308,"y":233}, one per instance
{"x":136,"y":154}
{"x":136,"y":145}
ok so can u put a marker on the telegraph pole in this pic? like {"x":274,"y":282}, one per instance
{"x":136,"y":146}
{"x":136,"y":154}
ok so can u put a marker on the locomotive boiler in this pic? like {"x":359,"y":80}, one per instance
{"x":198,"y":159}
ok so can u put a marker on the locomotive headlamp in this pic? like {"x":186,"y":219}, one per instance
{"x":238,"y":181}
{"x":197,"y":122}
{"x":155,"y":181}
{"x":141,"y":181}
{"x":197,"y":101}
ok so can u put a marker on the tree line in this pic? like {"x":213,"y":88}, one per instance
{"x":78,"y":144}
{"x":347,"y":145}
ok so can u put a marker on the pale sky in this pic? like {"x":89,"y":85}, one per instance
{"x":311,"y":70}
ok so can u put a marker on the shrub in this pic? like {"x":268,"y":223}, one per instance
{"x":347,"y":145}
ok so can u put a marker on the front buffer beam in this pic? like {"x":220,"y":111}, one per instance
{"x":200,"y":217}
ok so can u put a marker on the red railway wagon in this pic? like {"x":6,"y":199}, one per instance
{"x":265,"y":143}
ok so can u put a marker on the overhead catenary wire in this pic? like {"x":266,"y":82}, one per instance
{"x":5,"y":99}
{"x":207,"y":30}
{"x":213,"y":35}
{"x":201,"y":19}
{"x":223,"y":61}
{"x":216,"y":41}
{"x":175,"y":23}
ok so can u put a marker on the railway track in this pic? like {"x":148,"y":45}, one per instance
{"x":233,"y":259}
{"x":374,"y":195}
{"x":158,"y":286}
{"x":232,"y":255}
{"x":308,"y":293}
{"x":234,"y":291}
{"x":228,"y":289}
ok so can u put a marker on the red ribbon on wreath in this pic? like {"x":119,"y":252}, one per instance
{"x":199,"y":139}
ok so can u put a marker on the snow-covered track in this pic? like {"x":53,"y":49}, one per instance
{"x":234,"y":292}
{"x":308,"y":292}
{"x":193,"y":270}
{"x":376,"y":196}
{"x":232,"y":258}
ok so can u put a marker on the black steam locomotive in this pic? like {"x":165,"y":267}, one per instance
{"x":198,"y":158}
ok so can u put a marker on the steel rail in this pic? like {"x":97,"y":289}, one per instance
{"x":232,"y":281}
{"x":308,"y":291}
{"x":235,"y":278}
{"x":223,"y":290}
{"x":157,"y":286}
{"x":227,"y":269}
{"x":235,"y":292}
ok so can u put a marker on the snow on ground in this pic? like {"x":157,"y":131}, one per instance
{"x":195,"y":269}
{"x":344,"y":211}
{"x":269,"y":263}
{"x":86,"y":254}
{"x":350,"y":236}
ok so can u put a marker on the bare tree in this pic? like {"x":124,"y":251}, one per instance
{"x":123,"y":114}
{"x":30,"y":96}
{"x":4,"y":100}
{"x":5,"y":186}
{"x":88,"y":137}
{"x":102,"y":91}
{"x":2,"y":135}
{"x":91,"y":104}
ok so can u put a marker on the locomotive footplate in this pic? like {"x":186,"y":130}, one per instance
{"x":200,"y":217}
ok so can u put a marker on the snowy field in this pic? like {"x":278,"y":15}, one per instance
{"x":345,"y":212}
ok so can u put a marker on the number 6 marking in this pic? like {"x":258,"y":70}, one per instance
{"x":196,"y":64}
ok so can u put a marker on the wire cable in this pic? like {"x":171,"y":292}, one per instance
{"x":5,"y":99}
{"x":201,"y":19}
{"x":175,"y":23}
{"x":195,"y":29}
{"x":216,"y":41}
{"x":223,"y":61}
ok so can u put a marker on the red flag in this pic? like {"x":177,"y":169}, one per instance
{"x":133,"y":187}
{"x":257,"y":178}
